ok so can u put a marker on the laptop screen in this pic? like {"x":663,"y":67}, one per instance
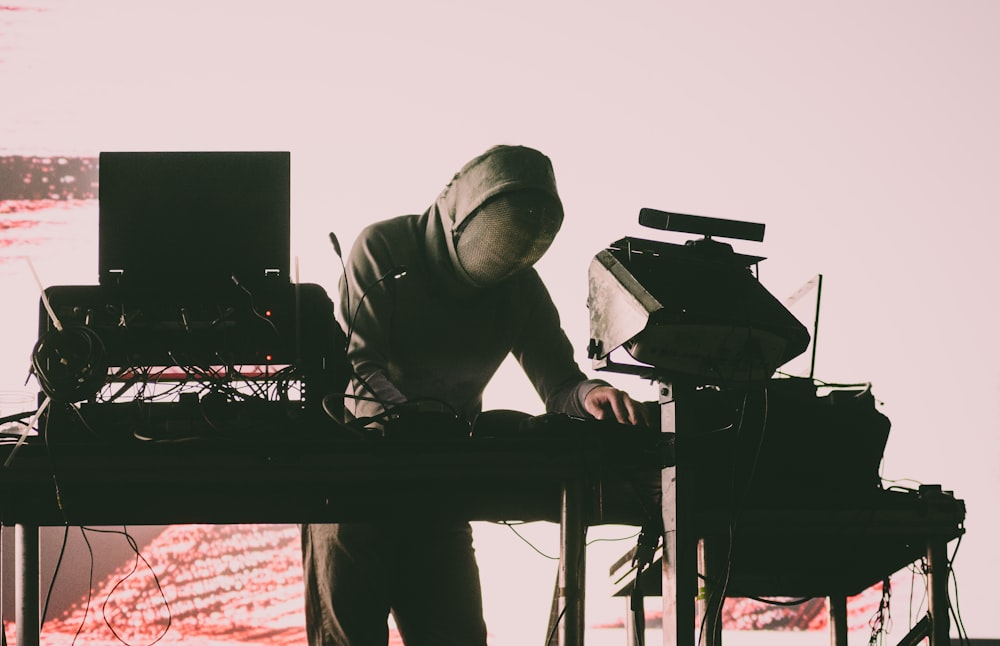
{"x":193,"y":219}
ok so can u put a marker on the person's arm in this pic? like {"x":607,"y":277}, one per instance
{"x":608,"y":402}
{"x":546,"y":355}
{"x":366,"y":304}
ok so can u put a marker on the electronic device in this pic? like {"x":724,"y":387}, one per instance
{"x":191,"y":358}
{"x":691,"y":310}
{"x":193,"y":218}
{"x":194,"y":326}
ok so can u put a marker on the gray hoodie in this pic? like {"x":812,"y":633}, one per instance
{"x":435,"y":333}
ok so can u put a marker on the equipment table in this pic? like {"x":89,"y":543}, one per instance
{"x":559,"y":476}
{"x":801,"y":537}
{"x":813,"y":548}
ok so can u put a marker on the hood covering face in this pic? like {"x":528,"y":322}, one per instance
{"x":498,"y":215}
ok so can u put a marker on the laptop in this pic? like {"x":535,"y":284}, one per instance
{"x":192,"y":220}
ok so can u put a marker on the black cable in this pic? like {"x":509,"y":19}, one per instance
{"x":253,"y":306}
{"x":355,"y":430}
{"x":62,"y":512}
{"x":613,"y":540}
{"x":55,"y":574}
{"x":953,"y":609}
{"x":131,"y":541}
{"x":90,"y":588}
{"x":361,"y":424}
{"x":710,"y":584}
{"x":645,"y":550}
{"x":881,"y":623}
{"x":343,"y":268}
{"x":922,"y":571}
{"x":771,"y":602}
{"x":527,"y":542}
{"x":395,"y":273}
{"x":70,"y":365}
{"x":562,"y":613}
{"x":638,"y":620}
{"x":737,"y":506}
{"x":555,"y":626}
{"x":156,"y":581}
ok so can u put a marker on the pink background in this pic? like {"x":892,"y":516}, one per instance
{"x":863,"y":134}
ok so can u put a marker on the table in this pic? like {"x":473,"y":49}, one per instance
{"x":818,"y":524}
{"x":563,"y":473}
{"x":834,"y":548}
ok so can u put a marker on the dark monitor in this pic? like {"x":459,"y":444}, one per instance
{"x":193,"y":219}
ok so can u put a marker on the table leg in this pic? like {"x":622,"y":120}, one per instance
{"x":26,"y":584}
{"x":680,"y":543}
{"x":937,"y":595}
{"x":712,"y":564}
{"x":838,"y":619}
{"x":572,"y":565}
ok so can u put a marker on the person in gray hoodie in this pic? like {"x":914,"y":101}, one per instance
{"x":435,"y":339}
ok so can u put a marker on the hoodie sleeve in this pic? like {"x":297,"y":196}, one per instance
{"x":366,"y":303}
{"x":546,"y":356}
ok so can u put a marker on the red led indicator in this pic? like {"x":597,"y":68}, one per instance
{"x":267,"y":312}
{"x":269,"y":357}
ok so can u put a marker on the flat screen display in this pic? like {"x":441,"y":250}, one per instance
{"x":190,"y":219}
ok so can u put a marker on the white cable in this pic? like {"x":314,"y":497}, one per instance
{"x":27,"y":430}
{"x":45,"y":298}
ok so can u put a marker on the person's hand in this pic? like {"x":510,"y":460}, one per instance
{"x":609,"y":403}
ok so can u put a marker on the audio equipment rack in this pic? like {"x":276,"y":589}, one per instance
{"x":183,"y":361}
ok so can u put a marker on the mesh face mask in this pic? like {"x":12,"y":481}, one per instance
{"x":507,"y":234}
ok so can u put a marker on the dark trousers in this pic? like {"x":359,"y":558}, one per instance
{"x":424,"y":573}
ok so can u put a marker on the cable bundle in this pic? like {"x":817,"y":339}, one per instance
{"x":70,"y":364}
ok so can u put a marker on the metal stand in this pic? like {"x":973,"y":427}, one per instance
{"x":635,"y":621}
{"x":572,"y":566}
{"x":712,"y":591}
{"x":26,"y":584}
{"x":935,"y":626}
{"x":937,"y":597}
{"x":838,"y":619}
{"x":680,"y":541}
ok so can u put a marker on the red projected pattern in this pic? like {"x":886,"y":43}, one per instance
{"x":214,"y":585}
{"x":242,"y":584}
{"x":812,"y":614}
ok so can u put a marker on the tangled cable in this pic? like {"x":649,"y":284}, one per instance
{"x":70,"y":364}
